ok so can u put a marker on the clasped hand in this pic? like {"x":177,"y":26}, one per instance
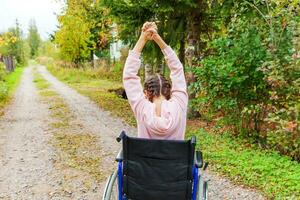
{"x":149,"y":31}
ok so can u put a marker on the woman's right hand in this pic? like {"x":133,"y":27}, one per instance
{"x":149,"y":29}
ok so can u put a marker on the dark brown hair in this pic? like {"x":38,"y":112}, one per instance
{"x":157,"y":85}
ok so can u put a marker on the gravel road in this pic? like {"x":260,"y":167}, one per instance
{"x":26,"y":157}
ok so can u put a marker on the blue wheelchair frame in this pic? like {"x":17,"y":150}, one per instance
{"x":120,"y":181}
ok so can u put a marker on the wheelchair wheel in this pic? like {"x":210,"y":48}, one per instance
{"x":205,"y":190}
{"x":202,"y":193}
{"x":111,"y":189}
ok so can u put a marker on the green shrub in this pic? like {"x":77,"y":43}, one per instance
{"x":278,"y":177}
{"x":8,"y":83}
{"x":251,"y":76}
{"x":3,"y":91}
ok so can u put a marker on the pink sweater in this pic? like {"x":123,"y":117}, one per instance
{"x":172,"y":122}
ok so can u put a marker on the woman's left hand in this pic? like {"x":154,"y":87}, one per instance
{"x":151,"y":33}
{"x":149,"y":29}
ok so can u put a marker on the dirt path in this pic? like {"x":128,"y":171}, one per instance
{"x":27,"y":170}
{"x":25,"y":165}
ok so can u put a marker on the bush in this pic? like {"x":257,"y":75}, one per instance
{"x":229,"y":80}
{"x":3,"y":87}
{"x":251,"y":77}
{"x":3,"y":91}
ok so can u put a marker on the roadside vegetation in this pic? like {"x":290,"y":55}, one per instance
{"x":8,"y":83}
{"x":89,"y":83}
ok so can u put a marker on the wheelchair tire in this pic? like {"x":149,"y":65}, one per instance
{"x":202,"y":193}
{"x":205,"y":190}
{"x":111,"y":189}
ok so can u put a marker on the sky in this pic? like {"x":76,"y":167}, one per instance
{"x":42,"y":11}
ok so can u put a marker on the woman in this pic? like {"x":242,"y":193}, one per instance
{"x":160,"y":109}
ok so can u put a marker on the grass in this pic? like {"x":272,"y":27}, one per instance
{"x":93,"y":86}
{"x":277,"y":177}
{"x":8,"y":84}
{"x":75,"y":150}
{"x":40,"y":83}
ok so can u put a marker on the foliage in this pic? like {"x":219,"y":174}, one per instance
{"x":251,"y":75}
{"x":75,"y":47}
{"x":3,"y":86}
{"x":49,"y":49}
{"x":282,"y":73}
{"x":34,"y":39}
{"x":83,"y":30}
{"x":172,"y":17}
{"x":8,"y":83}
{"x":12,"y":44}
{"x":277,"y":176}
{"x":232,"y":80}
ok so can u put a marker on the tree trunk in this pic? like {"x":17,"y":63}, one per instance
{"x":92,"y":59}
{"x":193,"y":39}
{"x":148,"y":70}
{"x":160,"y":68}
{"x":9,"y":63}
{"x":159,"y":65}
{"x":192,"y":51}
{"x":182,"y":51}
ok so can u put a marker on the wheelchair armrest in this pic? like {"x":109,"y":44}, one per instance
{"x":198,"y":159}
{"x":119,"y":157}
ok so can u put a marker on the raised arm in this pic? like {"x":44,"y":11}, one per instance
{"x":179,"y":87}
{"x":131,"y":81}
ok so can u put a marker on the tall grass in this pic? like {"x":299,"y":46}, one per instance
{"x":8,"y":84}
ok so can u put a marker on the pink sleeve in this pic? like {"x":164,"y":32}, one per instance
{"x":132,"y":82}
{"x":179,"y":87}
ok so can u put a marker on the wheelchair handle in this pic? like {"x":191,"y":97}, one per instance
{"x":121,"y":136}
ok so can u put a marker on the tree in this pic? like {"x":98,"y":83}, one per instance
{"x":84,"y":30}
{"x":73,"y":38}
{"x":49,"y":49}
{"x":33,"y":39}
{"x":12,"y":44}
{"x":179,"y":22}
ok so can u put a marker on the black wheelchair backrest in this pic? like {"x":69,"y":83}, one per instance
{"x":157,"y":169}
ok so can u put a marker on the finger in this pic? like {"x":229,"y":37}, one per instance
{"x":145,"y":24}
{"x":153,"y":25}
{"x":149,"y":34}
{"x":148,"y":25}
{"x":152,"y":30}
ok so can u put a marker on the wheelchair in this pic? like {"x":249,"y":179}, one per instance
{"x":151,"y":169}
